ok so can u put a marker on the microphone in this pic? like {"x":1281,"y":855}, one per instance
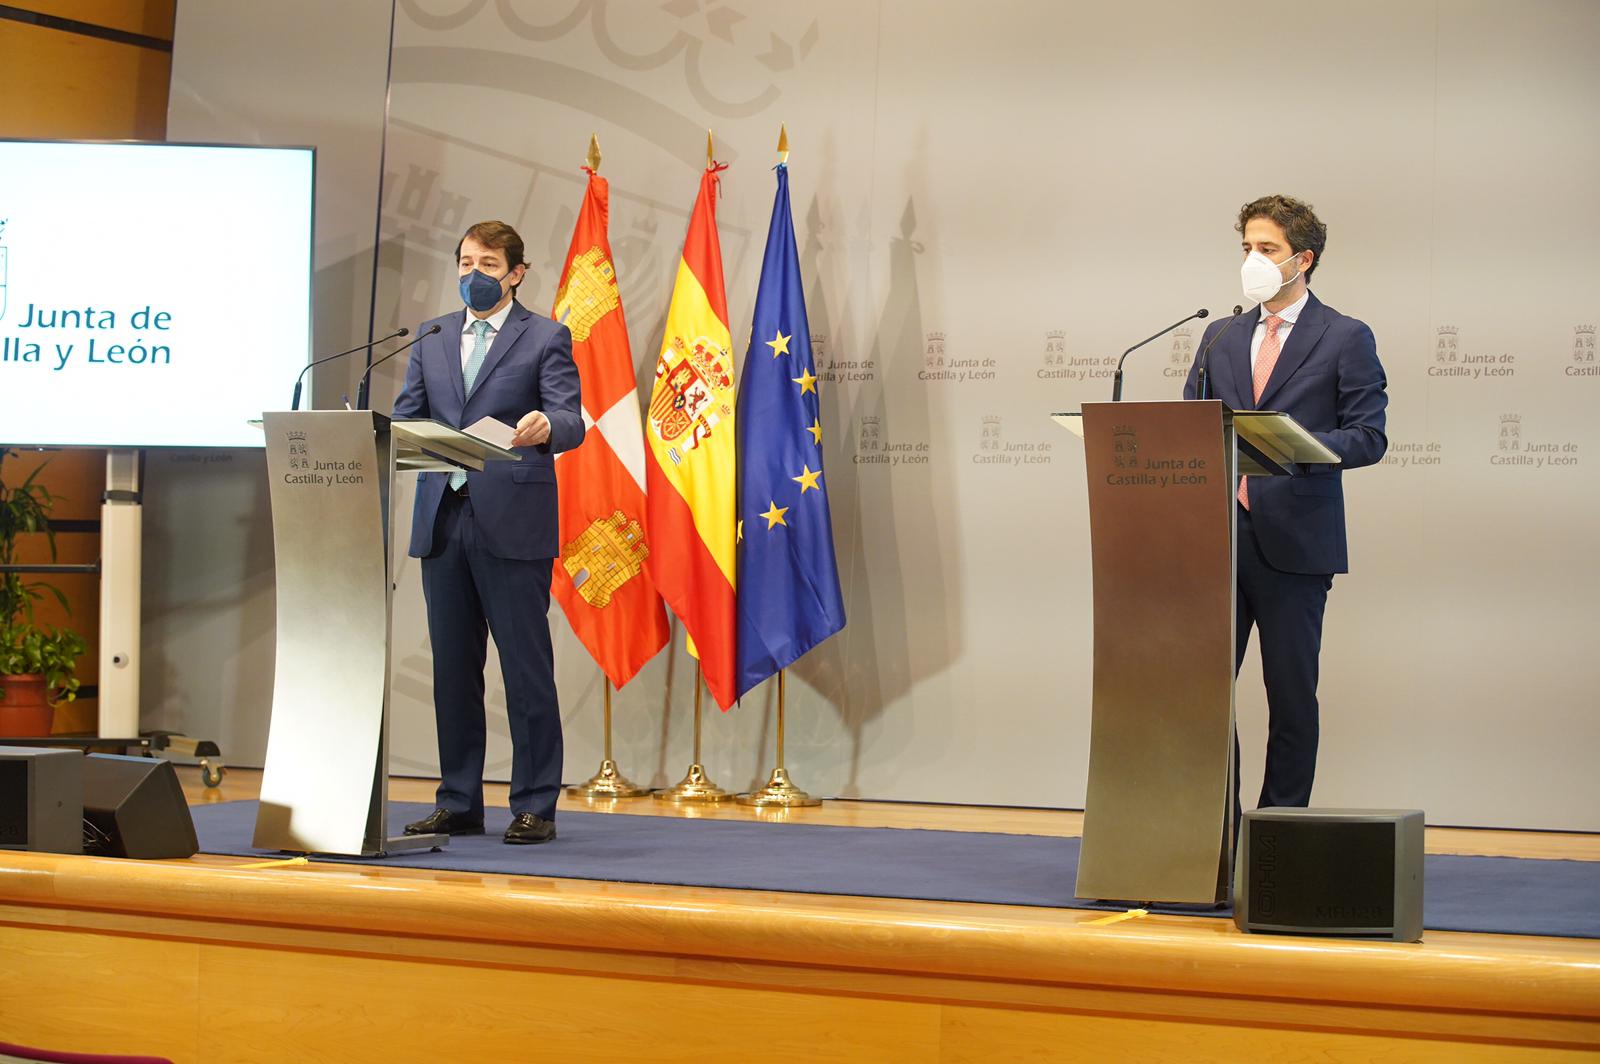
{"x":1202,"y":381}
{"x":295,"y":404}
{"x":361,"y":385}
{"x":1116,"y":379}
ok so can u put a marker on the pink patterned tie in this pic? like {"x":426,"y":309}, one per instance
{"x":1266,"y":358}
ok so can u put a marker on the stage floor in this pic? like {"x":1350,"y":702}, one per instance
{"x":1480,"y":842}
{"x":329,"y":961}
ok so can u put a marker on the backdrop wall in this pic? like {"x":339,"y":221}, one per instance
{"x":988,"y":210}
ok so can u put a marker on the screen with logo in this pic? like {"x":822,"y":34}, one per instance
{"x":151,"y":295}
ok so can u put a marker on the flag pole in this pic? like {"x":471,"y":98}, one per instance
{"x":695,"y":788}
{"x":609,"y":782}
{"x":779,"y":791}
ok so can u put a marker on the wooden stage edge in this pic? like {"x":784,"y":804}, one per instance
{"x":220,"y":958}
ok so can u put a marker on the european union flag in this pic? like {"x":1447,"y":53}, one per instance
{"x":788,"y":585}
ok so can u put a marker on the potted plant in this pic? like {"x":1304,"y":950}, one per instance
{"x":37,"y":661}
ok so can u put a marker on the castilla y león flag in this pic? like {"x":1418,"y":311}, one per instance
{"x":600,"y":579}
{"x":692,"y":451}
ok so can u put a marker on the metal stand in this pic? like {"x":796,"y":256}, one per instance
{"x":695,"y":788}
{"x":779,"y":792}
{"x":609,"y":782}
{"x":121,"y":550}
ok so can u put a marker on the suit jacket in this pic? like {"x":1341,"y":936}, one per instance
{"x":1329,"y":379}
{"x":529,"y":367}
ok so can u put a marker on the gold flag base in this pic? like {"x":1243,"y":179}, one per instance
{"x":609,"y":782}
{"x":779,"y":792}
{"x":694,"y":789}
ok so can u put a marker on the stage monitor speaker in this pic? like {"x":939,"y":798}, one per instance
{"x":1349,"y":872}
{"x":134,"y":807}
{"x":41,"y":799}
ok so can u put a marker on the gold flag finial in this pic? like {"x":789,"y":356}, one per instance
{"x":710,"y":149}
{"x":594,"y":152}
{"x":783,"y":144}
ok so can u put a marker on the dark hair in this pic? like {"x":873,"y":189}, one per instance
{"x":1300,"y":225}
{"x":500,"y":237}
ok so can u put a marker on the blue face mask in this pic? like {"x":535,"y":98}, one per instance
{"x":480,"y":291}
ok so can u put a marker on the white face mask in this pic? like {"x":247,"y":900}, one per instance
{"x":1261,"y":277}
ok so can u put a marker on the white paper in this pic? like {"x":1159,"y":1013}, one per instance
{"x":491,"y":430}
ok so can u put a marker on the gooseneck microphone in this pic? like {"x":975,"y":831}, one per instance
{"x":1202,"y":383}
{"x":1116,"y":379}
{"x":298,"y":381}
{"x":361,"y":385}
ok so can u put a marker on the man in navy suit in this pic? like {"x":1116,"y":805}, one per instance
{"x":487,"y":540}
{"x":1296,"y":355}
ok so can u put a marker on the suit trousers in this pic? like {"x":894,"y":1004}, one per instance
{"x":471,"y":593}
{"x":1287,"y":609}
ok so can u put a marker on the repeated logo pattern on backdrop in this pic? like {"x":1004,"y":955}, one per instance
{"x":942,"y":344}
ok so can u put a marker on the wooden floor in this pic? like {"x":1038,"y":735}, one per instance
{"x":222,"y":958}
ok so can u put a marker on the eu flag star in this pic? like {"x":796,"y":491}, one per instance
{"x":807,"y":480}
{"x":816,"y":431}
{"x":774,"y":515}
{"x":806,"y":381}
{"x":780,"y":343}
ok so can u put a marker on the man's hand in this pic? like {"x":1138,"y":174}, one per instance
{"x":532,"y":430}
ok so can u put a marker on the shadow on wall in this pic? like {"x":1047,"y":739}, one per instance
{"x":896,"y":544}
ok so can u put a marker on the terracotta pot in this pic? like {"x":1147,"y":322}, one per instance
{"x":24,"y":710}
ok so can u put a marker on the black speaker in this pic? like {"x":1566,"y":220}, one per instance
{"x":134,"y":807}
{"x":41,"y":799}
{"x":1348,"y":872}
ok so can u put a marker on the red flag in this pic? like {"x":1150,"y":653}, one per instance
{"x":692,"y":451}
{"x":600,"y":579}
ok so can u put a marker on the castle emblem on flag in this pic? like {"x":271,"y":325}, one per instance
{"x":606,"y":555}
{"x":688,"y":396}
{"x":590,"y":293}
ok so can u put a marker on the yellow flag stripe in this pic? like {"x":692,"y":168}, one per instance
{"x":705,"y":474}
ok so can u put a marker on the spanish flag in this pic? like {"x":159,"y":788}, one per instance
{"x":690,"y":435}
{"x":599,"y":579}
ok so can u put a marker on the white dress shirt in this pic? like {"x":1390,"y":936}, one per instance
{"x":1288,"y":314}
{"x":496,"y":321}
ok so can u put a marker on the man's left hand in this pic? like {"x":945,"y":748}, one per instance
{"x":532,"y":430}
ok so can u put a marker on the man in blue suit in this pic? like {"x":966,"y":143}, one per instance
{"x":1296,"y":355}
{"x":487,"y":540}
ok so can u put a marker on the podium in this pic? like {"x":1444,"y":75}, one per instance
{"x":325,"y":788}
{"x":1158,"y":822}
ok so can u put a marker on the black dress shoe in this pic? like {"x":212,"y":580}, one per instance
{"x":527,"y":830}
{"x":444,"y":822}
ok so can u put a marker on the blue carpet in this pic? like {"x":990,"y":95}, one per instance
{"x":1502,"y":895}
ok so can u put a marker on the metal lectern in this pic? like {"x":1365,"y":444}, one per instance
{"x":326,"y":784}
{"x":1157,"y":822}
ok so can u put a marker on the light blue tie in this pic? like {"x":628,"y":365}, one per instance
{"x":469,"y":377}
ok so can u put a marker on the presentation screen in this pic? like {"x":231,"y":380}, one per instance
{"x":151,"y":295}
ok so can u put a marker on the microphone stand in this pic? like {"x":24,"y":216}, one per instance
{"x":366,"y":378}
{"x":1116,"y":378}
{"x":1202,"y":384}
{"x":294,"y":404}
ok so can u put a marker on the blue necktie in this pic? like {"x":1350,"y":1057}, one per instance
{"x":469,"y":377}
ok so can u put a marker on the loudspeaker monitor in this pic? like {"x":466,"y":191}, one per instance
{"x":41,"y":799}
{"x":1347,"y":872}
{"x":134,"y":807}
